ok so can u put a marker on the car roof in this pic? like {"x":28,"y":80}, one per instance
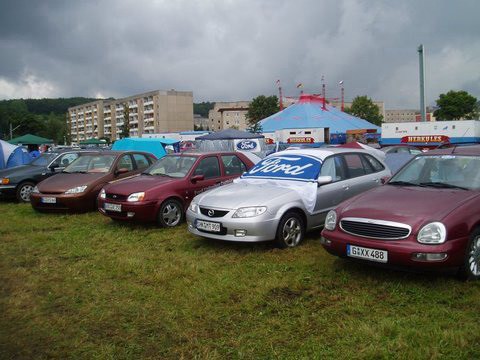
{"x":323,"y":153}
{"x":456,"y":150}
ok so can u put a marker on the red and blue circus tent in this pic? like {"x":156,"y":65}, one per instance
{"x":311,"y":112}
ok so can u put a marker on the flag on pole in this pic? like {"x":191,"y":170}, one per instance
{"x":340,"y":83}
{"x":300,"y":85}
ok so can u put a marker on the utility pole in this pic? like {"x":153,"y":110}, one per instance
{"x":12,"y":129}
{"x":421,"y":59}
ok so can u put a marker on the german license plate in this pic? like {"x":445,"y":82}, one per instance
{"x":367,"y":253}
{"x":49,"y":200}
{"x":112,"y":207}
{"x":208,"y":226}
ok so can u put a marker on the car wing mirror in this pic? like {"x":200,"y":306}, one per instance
{"x":322,"y":180}
{"x":196,"y":178}
{"x":121,"y":171}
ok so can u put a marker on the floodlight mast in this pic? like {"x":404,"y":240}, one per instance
{"x":421,"y":59}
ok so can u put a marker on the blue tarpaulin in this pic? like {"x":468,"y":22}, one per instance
{"x":155,"y":146}
{"x":12,"y":155}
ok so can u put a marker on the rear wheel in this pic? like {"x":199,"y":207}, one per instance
{"x":471,"y":265}
{"x":291,"y":230}
{"x":24,"y":190}
{"x":170,"y":214}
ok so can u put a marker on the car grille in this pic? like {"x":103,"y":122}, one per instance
{"x":375,"y":229}
{"x":116,"y":197}
{"x":213,"y":213}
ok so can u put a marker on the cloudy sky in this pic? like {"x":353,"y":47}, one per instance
{"x":236,"y":49}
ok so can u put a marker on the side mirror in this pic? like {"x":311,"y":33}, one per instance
{"x":322,"y":180}
{"x":121,"y":171}
{"x":196,"y":178}
{"x":384,"y":179}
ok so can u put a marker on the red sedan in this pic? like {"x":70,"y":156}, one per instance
{"x":426,"y":216}
{"x":163,"y":192}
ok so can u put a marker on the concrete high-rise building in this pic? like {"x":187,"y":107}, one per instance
{"x":225,"y":115}
{"x":152,"y":112}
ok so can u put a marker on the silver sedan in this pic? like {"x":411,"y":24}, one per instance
{"x":284,"y":195}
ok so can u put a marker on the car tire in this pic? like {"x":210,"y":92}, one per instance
{"x":470,"y":269}
{"x":24,"y":190}
{"x":290,"y":231}
{"x":170,"y":214}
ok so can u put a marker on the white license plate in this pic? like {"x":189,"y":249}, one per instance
{"x":208,"y":226}
{"x":367,"y":253}
{"x":112,"y":207}
{"x":49,"y":200}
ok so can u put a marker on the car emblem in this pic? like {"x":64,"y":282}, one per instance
{"x":211,"y":212}
{"x":114,"y":196}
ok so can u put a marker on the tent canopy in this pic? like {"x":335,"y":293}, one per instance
{"x":230,"y":134}
{"x":30,"y":139}
{"x":93,"y":141}
{"x":12,"y":155}
{"x":155,"y":146}
{"x":309,"y":112}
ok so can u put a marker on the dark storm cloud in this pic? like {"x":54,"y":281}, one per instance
{"x":235,"y":50}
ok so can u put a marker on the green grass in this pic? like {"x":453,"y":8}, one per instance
{"x":82,"y":286}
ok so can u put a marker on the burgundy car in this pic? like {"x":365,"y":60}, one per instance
{"x":163,"y":192}
{"x":426,"y":216}
{"x":76,"y":188}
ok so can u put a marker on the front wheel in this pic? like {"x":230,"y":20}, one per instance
{"x":170,"y":214}
{"x":291,"y":230}
{"x":471,"y":265}
{"x":24,"y":190}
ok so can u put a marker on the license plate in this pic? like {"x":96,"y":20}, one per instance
{"x":49,"y":200}
{"x":112,"y":207}
{"x":208,"y":226}
{"x":367,"y":253}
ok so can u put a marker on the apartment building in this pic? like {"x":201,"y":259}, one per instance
{"x":148,"y":113}
{"x":225,"y":115}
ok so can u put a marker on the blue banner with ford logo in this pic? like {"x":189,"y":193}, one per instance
{"x":287,"y":167}
{"x":246,"y":145}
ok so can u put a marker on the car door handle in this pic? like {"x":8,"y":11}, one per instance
{"x":345,"y":187}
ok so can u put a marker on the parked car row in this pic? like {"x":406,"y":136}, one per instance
{"x":425,"y":216}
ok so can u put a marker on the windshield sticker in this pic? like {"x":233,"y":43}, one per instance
{"x":287,"y":167}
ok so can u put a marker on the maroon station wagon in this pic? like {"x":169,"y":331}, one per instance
{"x":163,"y":192}
{"x":76,"y":188}
{"x":426,"y":216}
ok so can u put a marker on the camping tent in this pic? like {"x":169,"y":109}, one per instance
{"x":232,"y":140}
{"x":155,"y":146}
{"x":12,"y":155}
{"x":310,"y":112}
{"x":30,"y":139}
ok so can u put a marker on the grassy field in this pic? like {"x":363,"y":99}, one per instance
{"x":82,"y":286}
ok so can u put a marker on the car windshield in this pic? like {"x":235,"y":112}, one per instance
{"x":44,"y":159}
{"x":441,"y":171}
{"x":97,"y":163}
{"x":172,"y":165}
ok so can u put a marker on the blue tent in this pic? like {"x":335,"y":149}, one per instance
{"x":309,"y":112}
{"x":229,"y":134}
{"x":155,"y":146}
{"x":12,"y":155}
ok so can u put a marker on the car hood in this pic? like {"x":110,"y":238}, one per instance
{"x":62,"y":182}
{"x":138,"y":183}
{"x":21,"y":170}
{"x":242,"y":194}
{"x":410,"y":205}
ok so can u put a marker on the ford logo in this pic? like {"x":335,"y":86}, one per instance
{"x":246,"y":145}
{"x":211,"y":213}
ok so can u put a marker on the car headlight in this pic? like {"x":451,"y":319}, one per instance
{"x":35,"y":190}
{"x":76,"y":190}
{"x":139,"y":196}
{"x":5,"y":181}
{"x":103,"y":194}
{"x":331,"y":220}
{"x":433,"y":233}
{"x":193,"y":207}
{"x":247,"y":212}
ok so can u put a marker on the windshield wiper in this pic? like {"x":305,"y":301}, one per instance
{"x":443,"y":185}
{"x":146,"y":173}
{"x":402,"y":183}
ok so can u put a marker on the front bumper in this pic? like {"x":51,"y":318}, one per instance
{"x":8,"y":190}
{"x":72,"y":202}
{"x":257,"y":229}
{"x":130,"y":211}
{"x":400,"y":252}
